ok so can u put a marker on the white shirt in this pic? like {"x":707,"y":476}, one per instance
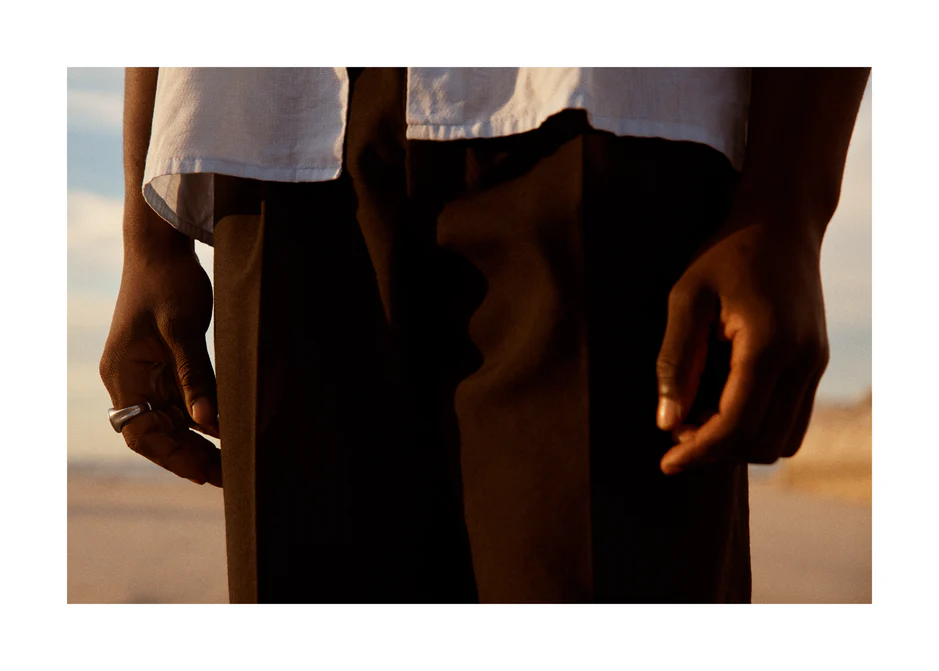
{"x":288,"y":124}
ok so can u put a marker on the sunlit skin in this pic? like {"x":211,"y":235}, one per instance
{"x":756,"y":284}
{"x":758,"y":281}
{"x":156,"y":348}
{"x":761,"y":291}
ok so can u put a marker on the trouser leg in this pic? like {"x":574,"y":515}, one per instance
{"x":577,"y":238}
{"x":332,"y":493}
{"x":335,"y":487}
{"x":238,"y":260}
{"x":649,"y":207}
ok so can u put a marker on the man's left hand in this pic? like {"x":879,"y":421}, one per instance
{"x":758,"y":285}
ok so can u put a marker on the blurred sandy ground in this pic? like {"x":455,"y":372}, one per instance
{"x":139,"y":535}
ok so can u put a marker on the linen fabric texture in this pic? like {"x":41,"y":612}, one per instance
{"x":290,"y":124}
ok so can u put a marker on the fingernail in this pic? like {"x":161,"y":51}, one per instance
{"x":668,"y":413}
{"x":202,"y":411}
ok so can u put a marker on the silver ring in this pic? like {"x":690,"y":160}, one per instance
{"x":119,"y":418}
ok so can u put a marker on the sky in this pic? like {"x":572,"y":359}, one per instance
{"x":95,"y":195}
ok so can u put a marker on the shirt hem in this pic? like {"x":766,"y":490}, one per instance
{"x":679,"y":132}
{"x":203,"y":231}
{"x":184,"y":226}
{"x":177,"y":166}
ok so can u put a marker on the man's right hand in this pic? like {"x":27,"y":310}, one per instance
{"x":156,"y":352}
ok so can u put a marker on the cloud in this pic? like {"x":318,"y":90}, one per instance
{"x":95,"y":100}
{"x":90,"y":436}
{"x":96,"y":79}
{"x":95,"y":251}
{"x":84,"y":381}
{"x":90,"y":310}
{"x":94,"y":233}
{"x":95,"y":111}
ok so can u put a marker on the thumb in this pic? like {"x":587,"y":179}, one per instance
{"x":196,"y":378}
{"x":683,"y":353}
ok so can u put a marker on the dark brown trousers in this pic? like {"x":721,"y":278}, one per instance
{"x":437,"y":373}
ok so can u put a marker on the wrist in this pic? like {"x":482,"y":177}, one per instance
{"x":799,"y":127}
{"x":149,"y":238}
{"x":789,"y":210}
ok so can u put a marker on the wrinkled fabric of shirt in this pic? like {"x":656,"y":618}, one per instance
{"x":288,"y":124}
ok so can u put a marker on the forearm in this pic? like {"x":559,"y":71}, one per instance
{"x":145,"y":232}
{"x":799,"y":128}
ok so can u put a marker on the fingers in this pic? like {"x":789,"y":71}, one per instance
{"x":195,"y":449}
{"x":683,"y":354}
{"x":803,"y":417}
{"x":154,"y":436}
{"x":754,"y":371}
{"x":134,"y":371}
{"x":781,"y":417}
{"x":788,"y":416}
{"x":196,"y":379}
{"x":764,"y":411}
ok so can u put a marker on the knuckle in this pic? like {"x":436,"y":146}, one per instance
{"x":142,"y":433}
{"x":738,"y":436}
{"x":811,"y":344}
{"x":108,"y":364}
{"x":106,"y":373}
{"x":189,"y":373}
{"x":810,"y":354}
{"x":666,"y":367}
{"x":104,"y":365}
{"x":195,"y":376}
{"x":681,"y":299}
{"x":109,"y":372}
{"x":671,"y":374}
